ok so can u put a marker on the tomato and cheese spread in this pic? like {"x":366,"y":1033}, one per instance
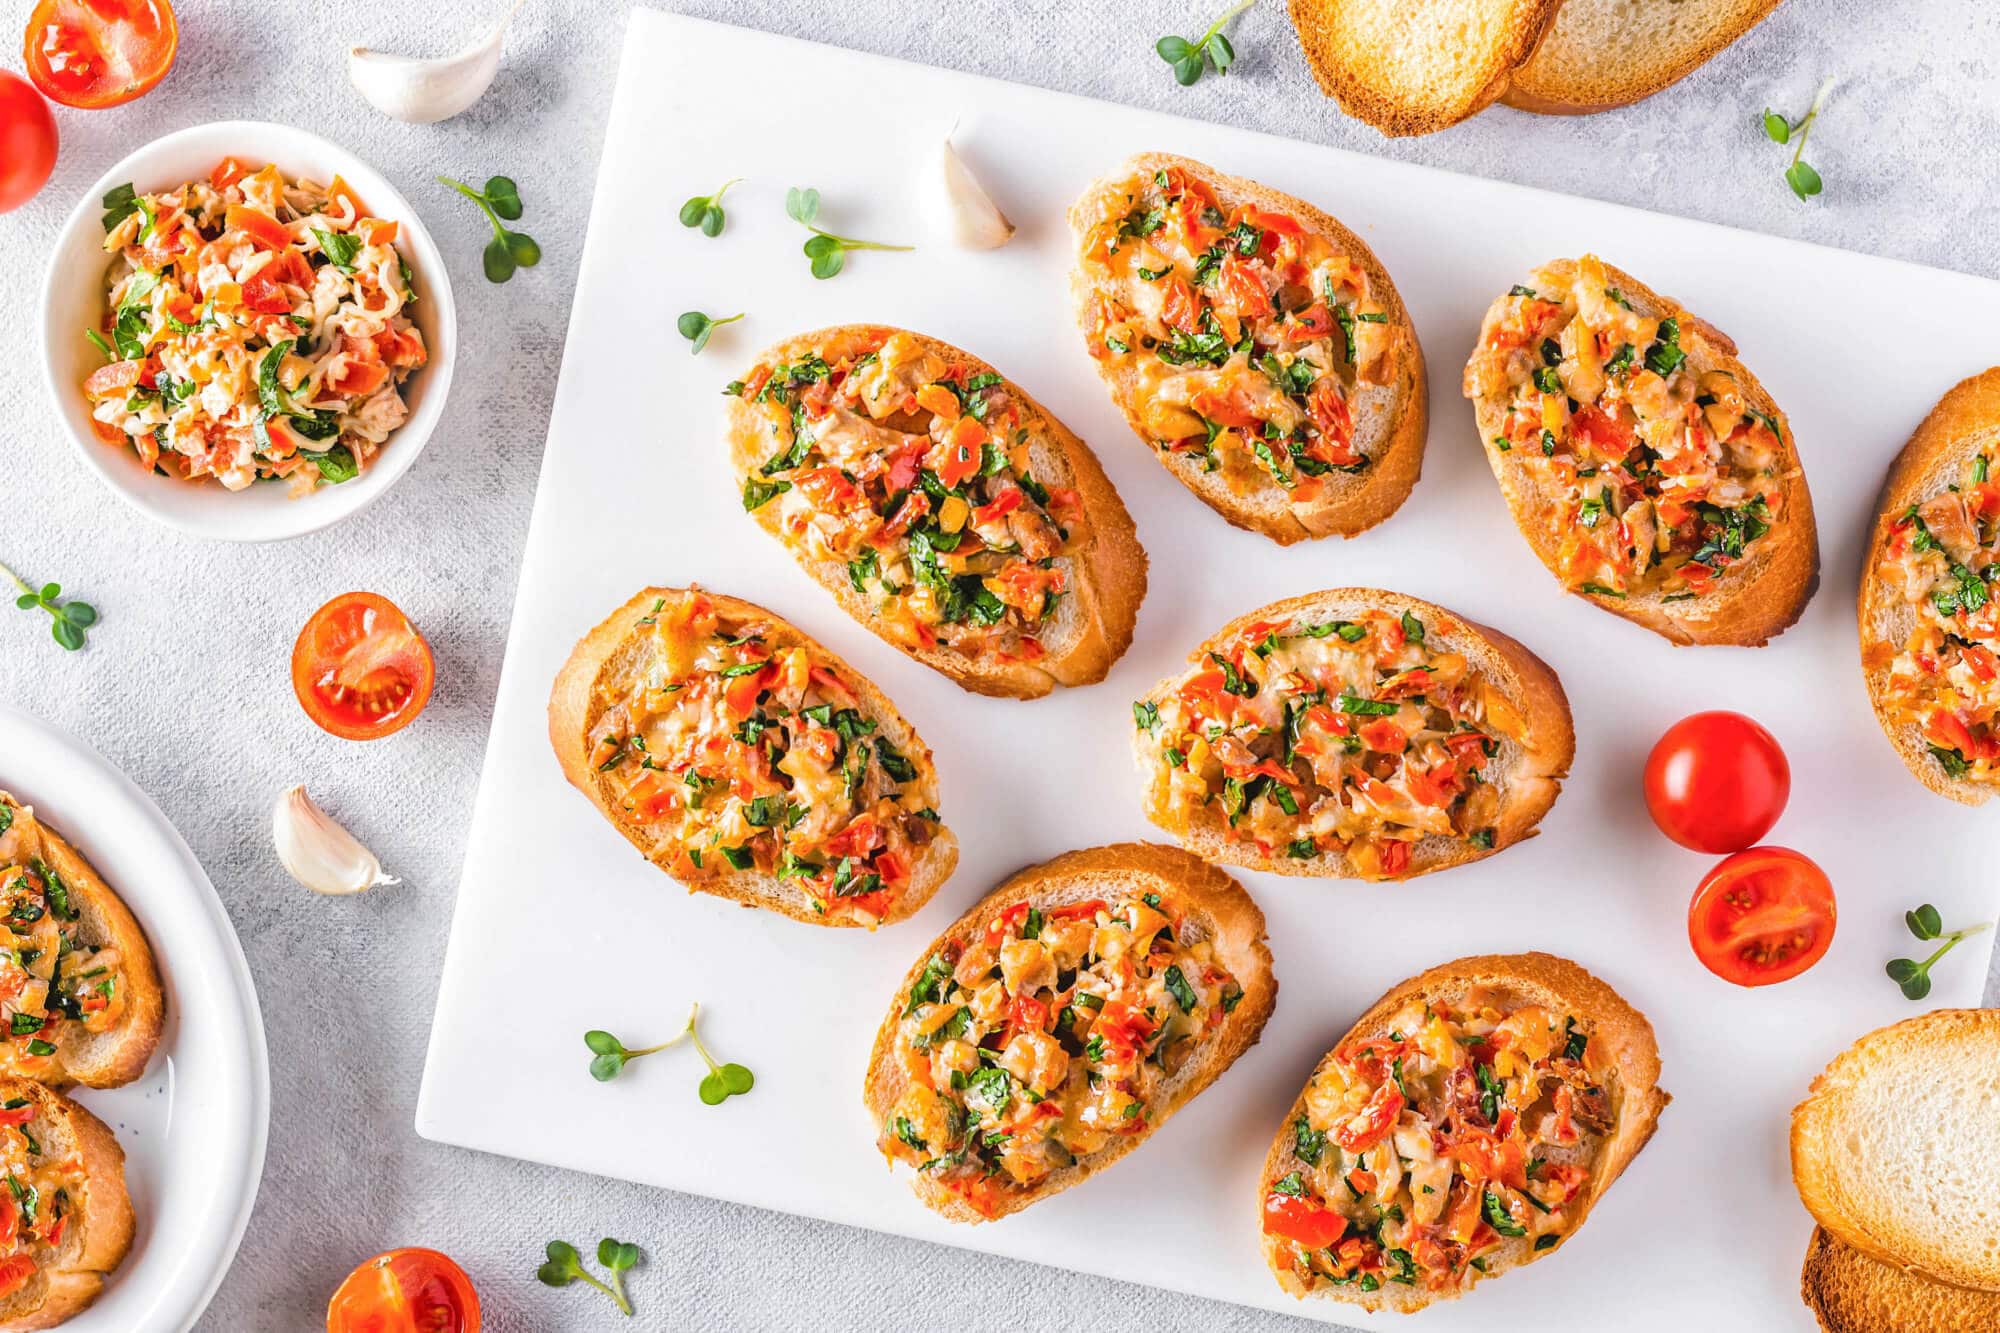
{"x":1945,"y":678}
{"x":1304,"y":736}
{"x":1241,"y":333}
{"x":1033,"y":1045}
{"x":1661,"y":475}
{"x":42,"y":1194}
{"x":55,"y":987}
{"x":256,"y":327}
{"x":930,"y":480}
{"x":753,"y":755}
{"x":1424,"y":1149}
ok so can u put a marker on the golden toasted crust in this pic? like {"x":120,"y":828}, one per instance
{"x":1755,"y":599}
{"x":1965,"y":420}
{"x":1217,"y":905}
{"x":1528,"y":777}
{"x":1094,"y":621}
{"x":1617,"y":1030}
{"x":599,"y":666}
{"x":1600,"y":54}
{"x":1418,"y":66}
{"x":73,"y":1273}
{"x":118,"y":1057}
{"x":1851,"y":1293}
{"x":1351,"y":503}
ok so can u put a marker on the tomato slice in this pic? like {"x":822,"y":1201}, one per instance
{"x":99,"y":53}
{"x":27,"y":141}
{"x":1762,"y":916}
{"x":405,"y":1291}
{"x":360,"y":668}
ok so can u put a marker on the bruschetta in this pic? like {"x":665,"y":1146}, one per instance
{"x":65,"y":1218}
{"x":1929,"y":615}
{"x":1466,"y":1125}
{"x":1644,"y":463}
{"x":1353,"y":733}
{"x":79,"y":991}
{"x":747,"y":761}
{"x":1254,"y":342}
{"x":944,"y":508}
{"x":1061,"y":1021}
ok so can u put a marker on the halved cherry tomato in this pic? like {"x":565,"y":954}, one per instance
{"x":1717,"y":782}
{"x":405,"y":1291}
{"x":27,"y":141}
{"x":98,"y":53}
{"x":1763,"y":915}
{"x":360,"y":668}
{"x":1310,"y":1224}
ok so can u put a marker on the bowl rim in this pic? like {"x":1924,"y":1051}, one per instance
{"x":296,"y":518}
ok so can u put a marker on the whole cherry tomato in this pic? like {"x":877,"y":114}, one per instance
{"x":360,"y":668}
{"x":1717,"y":782}
{"x":27,"y":141}
{"x":405,"y":1291}
{"x":98,"y":53}
{"x":1762,"y":915}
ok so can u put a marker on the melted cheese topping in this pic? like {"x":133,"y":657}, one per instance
{"x":53,"y":984}
{"x":1038,"y":1043}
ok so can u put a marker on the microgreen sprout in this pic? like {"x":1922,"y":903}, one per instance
{"x":565,"y":1266}
{"x":1926,"y":924}
{"x":827,"y":252}
{"x":72,"y":620}
{"x":1799,"y":175}
{"x":695,"y":327}
{"x":608,"y":1057}
{"x":508,"y":249}
{"x":705,"y":210}
{"x":1187,"y":57}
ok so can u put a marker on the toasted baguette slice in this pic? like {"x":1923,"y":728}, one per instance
{"x":76,"y":904}
{"x":1207,"y":915}
{"x":80,"y":1157}
{"x":1382,"y":391}
{"x":1600,"y":54}
{"x":1850,"y":1293}
{"x":1619,"y":1065}
{"x":1928,"y":474}
{"x":1081,"y":537}
{"x":1896,"y":1149}
{"x":656,"y":656}
{"x":1418,"y":66}
{"x":1752,"y":599}
{"x":1500,"y":688}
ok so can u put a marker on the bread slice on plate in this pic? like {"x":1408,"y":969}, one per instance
{"x":1254,"y":342}
{"x":1644,"y":463}
{"x":80,"y":994}
{"x":1353,"y":733}
{"x":1466,"y":1125}
{"x":1896,"y":1149}
{"x":1850,"y":1293}
{"x":1061,"y":1021}
{"x":944,"y":508}
{"x":1930,"y":624}
{"x":68,"y":1219}
{"x":1600,"y":54}
{"x":747,"y":761}
{"x":1418,"y":66}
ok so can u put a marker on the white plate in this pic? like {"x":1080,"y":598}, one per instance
{"x":193,"y":1127}
{"x":1704,"y":1230}
{"x":73,"y":300}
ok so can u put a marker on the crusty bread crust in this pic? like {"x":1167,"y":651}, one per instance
{"x":1219,"y":909}
{"x":1581,"y":65}
{"x":72,"y":1274}
{"x":1966,"y":420}
{"x":1094,"y":621}
{"x":1528,"y":777}
{"x":117,"y":1057}
{"x":1848,"y":1292}
{"x":1755,"y":599}
{"x":1389,"y":418}
{"x":1618,"y":1031}
{"x":605,"y":658}
{"x":1842,"y":1177}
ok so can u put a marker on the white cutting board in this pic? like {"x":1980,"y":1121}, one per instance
{"x":561,"y":927}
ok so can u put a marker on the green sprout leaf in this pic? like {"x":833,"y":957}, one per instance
{"x":609,"y":1057}
{"x":696,"y":327}
{"x":1926,"y":924}
{"x":508,"y":250}
{"x":1211,"y":51}
{"x":504,"y":196}
{"x":1776,"y":127}
{"x":826,"y":251}
{"x":69,"y":621}
{"x":1799,"y":174}
{"x":564,"y":1266}
{"x":705,"y":210}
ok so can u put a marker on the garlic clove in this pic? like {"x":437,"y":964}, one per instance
{"x":426,"y":90}
{"x":966,"y":214}
{"x":318,"y":852}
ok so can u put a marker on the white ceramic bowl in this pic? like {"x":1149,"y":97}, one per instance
{"x":73,"y":300}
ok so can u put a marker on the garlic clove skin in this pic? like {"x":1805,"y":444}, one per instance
{"x":964,"y":212}
{"x":318,"y":852}
{"x":423,"y":91}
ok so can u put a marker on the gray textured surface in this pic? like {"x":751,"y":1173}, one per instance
{"x":184,"y":685}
